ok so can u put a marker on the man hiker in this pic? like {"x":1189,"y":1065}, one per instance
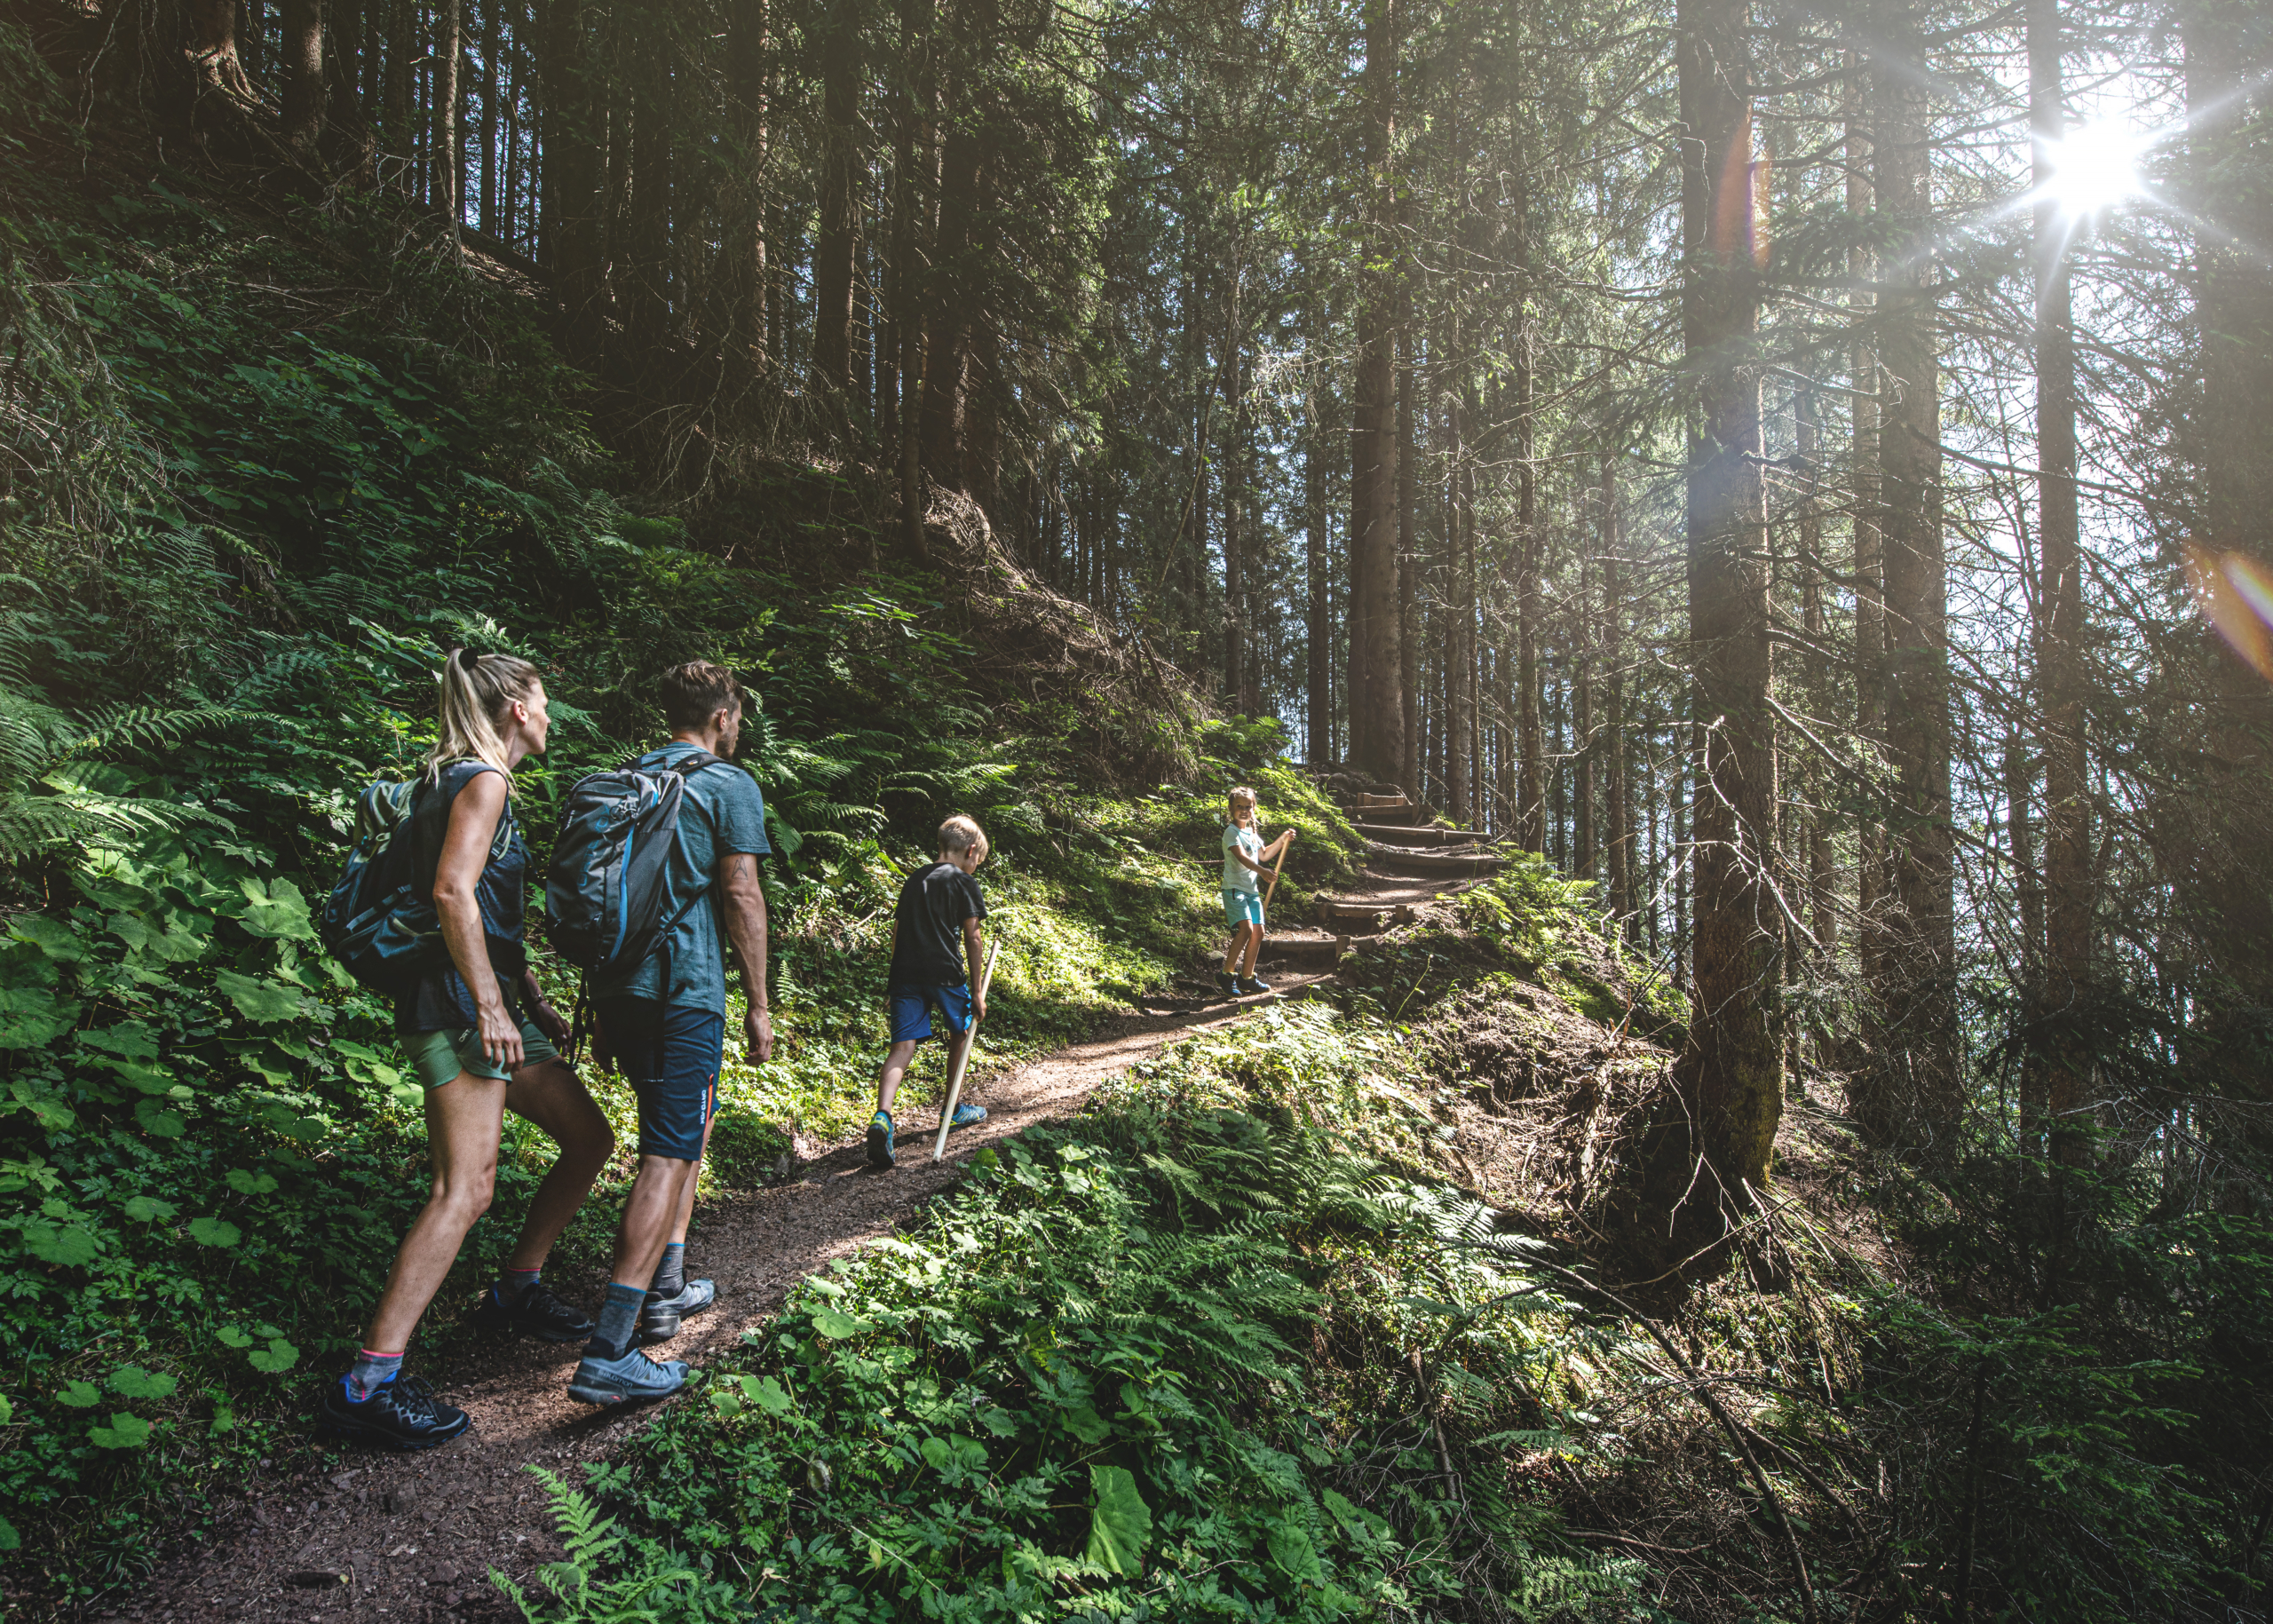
{"x":666,"y":1025}
{"x":936,"y":953}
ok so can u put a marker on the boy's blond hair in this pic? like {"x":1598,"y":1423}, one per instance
{"x":959,"y":834}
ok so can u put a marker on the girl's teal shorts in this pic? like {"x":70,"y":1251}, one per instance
{"x":1242,"y":907}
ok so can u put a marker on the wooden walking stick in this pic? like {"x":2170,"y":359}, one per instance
{"x":955,"y":1081}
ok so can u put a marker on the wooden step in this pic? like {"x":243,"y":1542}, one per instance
{"x":1362,"y":916}
{"x":1319,"y":950}
{"x":1407,"y":834}
{"x":1401,"y":860}
{"x":1366,"y":805}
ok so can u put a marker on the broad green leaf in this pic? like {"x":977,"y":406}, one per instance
{"x":278,"y":1356}
{"x":149,"y":1079}
{"x":124,"y":1432}
{"x":836,"y":1326}
{"x":767,"y":1395}
{"x":260,"y":1001}
{"x":66,"y":1245}
{"x":234,"y":1337}
{"x":214,"y":1232}
{"x":51,"y":936}
{"x":224,"y":1419}
{"x":246,"y":1183}
{"x":46,"y":1109}
{"x":278,"y":912}
{"x":133,"y":1382}
{"x":33,"y":1017}
{"x":728,"y":1405}
{"x":10,"y":1540}
{"x":7,"y":1411}
{"x":1292,"y":1550}
{"x":129,"y":1040}
{"x":159,"y":1124}
{"x":148,"y":1209}
{"x":1083,"y":1422}
{"x":1119,"y":1521}
{"x":79,"y":1395}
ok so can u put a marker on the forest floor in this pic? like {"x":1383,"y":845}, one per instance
{"x":339,"y":1536}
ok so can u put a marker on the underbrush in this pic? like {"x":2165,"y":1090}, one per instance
{"x":222,"y":599}
{"x":1182,"y":1359}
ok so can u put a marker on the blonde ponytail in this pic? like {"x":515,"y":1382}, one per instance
{"x":478,"y":691}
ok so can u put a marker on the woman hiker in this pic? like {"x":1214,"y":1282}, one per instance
{"x":482,"y":1039}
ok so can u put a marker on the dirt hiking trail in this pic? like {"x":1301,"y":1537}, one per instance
{"x":414,"y":1536}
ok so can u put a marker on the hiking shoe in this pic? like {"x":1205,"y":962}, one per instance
{"x":403,"y":1415}
{"x":1254,"y":985}
{"x":1228,"y":982}
{"x":538,"y":1312}
{"x":966,"y":1115}
{"x":660,"y":1316}
{"x":880,"y":1153}
{"x":635,"y":1378}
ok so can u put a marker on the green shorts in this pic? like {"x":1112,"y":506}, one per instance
{"x":438,"y":1056}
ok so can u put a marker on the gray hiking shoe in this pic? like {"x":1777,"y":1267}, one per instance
{"x":660,"y":1316}
{"x":633,"y":1379}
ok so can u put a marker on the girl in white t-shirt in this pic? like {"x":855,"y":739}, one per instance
{"x":1244,"y":859}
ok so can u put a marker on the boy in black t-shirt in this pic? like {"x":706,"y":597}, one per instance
{"x":934,"y":959}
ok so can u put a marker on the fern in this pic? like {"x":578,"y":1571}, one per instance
{"x":654,"y":1585}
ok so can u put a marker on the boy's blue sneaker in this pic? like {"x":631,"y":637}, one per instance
{"x":635,"y":1378}
{"x":402,"y":1415}
{"x":880,"y":1156}
{"x":966,"y":1115}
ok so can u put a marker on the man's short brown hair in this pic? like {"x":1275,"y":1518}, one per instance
{"x":695,"y":692}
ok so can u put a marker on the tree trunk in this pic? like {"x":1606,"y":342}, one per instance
{"x":743,"y":204}
{"x":574,"y":202}
{"x":449,"y":164}
{"x":836,"y":249}
{"x":1319,"y":650}
{"x":1583,"y":860}
{"x":1618,"y":815}
{"x":491,"y":79}
{"x":647,"y":254}
{"x":952,"y":289}
{"x":1915,"y":1095}
{"x":1408,"y":551}
{"x":1234,"y":514}
{"x":212,"y":42}
{"x":1869,"y":563}
{"x":1530,"y":743}
{"x":909,"y":215}
{"x":1376,"y":664}
{"x":2066,"y":963}
{"x":302,"y":123}
{"x":1708,"y":1154}
{"x":1816,"y":817}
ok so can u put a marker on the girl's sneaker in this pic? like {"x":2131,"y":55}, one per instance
{"x":1229,"y":982}
{"x":880,"y":1154}
{"x":966,"y":1115}
{"x":1254,"y":985}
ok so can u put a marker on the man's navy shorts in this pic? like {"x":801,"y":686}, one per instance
{"x":911,"y":1003}
{"x":670,"y":1054}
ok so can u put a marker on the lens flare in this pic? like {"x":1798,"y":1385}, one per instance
{"x":2235,"y":593}
{"x":2094,"y":169}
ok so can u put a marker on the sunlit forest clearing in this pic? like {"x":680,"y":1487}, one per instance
{"x":1737,"y":538}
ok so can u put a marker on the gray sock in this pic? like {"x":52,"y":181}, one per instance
{"x":371,"y":1372}
{"x":670,"y":1274}
{"x":619,"y":1318}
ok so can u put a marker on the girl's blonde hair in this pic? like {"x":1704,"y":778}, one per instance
{"x":1231,"y":802}
{"x":477,"y":691}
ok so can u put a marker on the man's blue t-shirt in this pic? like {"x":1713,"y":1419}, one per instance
{"x":723,"y":814}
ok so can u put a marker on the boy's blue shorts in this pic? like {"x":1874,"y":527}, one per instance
{"x":911,"y":1003}
{"x":1242,"y":907}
